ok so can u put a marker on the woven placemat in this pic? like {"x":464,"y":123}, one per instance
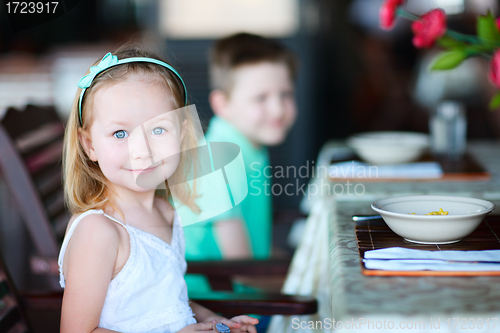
{"x":375,"y":234}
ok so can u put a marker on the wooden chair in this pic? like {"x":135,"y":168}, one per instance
{"x":30,"y":162}
{"x":12,"y":317}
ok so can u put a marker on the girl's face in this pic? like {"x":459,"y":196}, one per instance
{"x":135,"y":136}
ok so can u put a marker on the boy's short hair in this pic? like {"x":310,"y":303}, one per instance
{"x":241,"y":49}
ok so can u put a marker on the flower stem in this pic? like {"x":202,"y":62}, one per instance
{"x":407,"y":15}
{"x":463,"y":37}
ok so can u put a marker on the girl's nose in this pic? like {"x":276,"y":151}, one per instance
{"x":139,"y":147}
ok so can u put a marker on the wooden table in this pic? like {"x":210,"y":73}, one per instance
{"x":326,"y":264}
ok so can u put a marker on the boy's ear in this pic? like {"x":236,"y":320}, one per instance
{"x":86,"y":142}
{"x":218,"y":101}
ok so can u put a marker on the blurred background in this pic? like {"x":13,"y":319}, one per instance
{"x":353,"y":76}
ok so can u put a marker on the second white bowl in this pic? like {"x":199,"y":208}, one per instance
{"x":389,"y":147}
{"x":465,"y":215}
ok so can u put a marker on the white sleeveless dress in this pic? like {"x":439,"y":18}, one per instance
{"x":149,"y":294}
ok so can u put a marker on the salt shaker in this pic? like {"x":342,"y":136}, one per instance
{"x":448,"y":129}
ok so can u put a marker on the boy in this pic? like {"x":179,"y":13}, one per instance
{"x":252,"y":97}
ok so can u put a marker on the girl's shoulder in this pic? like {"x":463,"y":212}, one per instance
{"x":95,"y":243}
{"x":93,"y":224}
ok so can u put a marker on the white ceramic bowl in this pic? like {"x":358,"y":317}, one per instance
{"x":465,"y":215}
{"x":389,"y":147}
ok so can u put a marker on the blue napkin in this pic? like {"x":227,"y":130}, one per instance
{"x":401,"y":259}
{"x":355,"y":169}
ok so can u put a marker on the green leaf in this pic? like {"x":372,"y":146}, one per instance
{"x":487,"y":29}
{"x":450,"y":43}
{"x":495,"y":102}
{"x":449,"y":60}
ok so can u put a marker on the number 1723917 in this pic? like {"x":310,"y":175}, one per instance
{"x":31,"y":7}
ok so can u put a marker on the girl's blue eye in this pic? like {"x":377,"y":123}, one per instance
{"x":121,"y":134}
{"x":158,"y":131}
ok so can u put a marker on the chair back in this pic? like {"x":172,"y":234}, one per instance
{"x":12,"y":318}
{"x":31,"y":143}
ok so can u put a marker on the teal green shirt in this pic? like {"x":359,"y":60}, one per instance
{"x":254,"y":210}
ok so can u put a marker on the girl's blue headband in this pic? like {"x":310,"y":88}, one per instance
{"x":110,"y":60}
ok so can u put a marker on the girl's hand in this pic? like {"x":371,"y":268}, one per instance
{"x":198,"y":327}
{"x":247,"y":324}
{"x":238,"y":324}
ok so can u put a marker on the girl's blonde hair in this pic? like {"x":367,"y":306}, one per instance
{"x":85,"y":186}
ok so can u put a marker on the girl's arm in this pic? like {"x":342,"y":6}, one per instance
{"x":202,"y":314}
{"x":91,"y":257}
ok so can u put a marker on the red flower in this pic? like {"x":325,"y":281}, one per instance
{"x":498,"y":22}
{"x":494,"y":73}
{"x":429,"y":28}
{"x":388,"y":13}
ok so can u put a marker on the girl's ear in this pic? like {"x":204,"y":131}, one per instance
{"x":218,"y":102}
{"x":86,"y":142}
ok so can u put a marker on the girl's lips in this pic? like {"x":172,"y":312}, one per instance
{"x":144,"y":170}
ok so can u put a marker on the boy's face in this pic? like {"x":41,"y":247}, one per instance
{"x":261,"y":103}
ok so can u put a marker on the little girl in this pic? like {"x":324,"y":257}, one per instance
{"x":122,"y":260}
